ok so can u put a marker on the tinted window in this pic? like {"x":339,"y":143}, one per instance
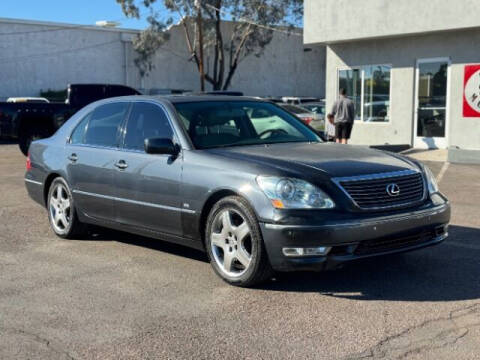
{"x":104,"y":123}
{"x":235,"y":123}
{"x":146,"y":121}
{"x":78,"y":135}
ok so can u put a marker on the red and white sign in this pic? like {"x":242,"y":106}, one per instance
{"x":471,"y":91}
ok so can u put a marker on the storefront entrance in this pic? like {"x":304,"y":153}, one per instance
{"x":431,"y":103}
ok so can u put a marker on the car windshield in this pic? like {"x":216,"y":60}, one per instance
{"x":316,"y":108}
{"x":212,"y":124}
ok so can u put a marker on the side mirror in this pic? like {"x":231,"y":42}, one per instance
{"x":161,"y":146}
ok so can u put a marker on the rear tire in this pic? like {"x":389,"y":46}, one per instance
{"x":234,"y":243}
{"x":61,"y":211}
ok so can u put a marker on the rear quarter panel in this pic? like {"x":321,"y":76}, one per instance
{"x":48,"y":158}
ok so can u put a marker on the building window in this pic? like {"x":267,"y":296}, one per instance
{"x":369,"y":88}
{"x":351,"y":80}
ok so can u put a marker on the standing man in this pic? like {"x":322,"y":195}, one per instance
{"x":330,"y":128}
{"x":343,"y":112}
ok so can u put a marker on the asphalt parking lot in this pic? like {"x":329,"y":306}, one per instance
{"x":114,"y":295}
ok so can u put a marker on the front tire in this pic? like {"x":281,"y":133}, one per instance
{"x":234,"y":243}
{"x":61,"y":210}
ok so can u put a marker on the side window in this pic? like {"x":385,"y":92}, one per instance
{"x":78,"y":134}
{"x":146,"y":120}
{"x":104,"y":123}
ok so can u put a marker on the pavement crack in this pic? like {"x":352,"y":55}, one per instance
{"x":39,"y":339}
{"x":430,"y":335}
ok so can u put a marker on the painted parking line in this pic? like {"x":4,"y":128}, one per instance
{"x":442,"y":171}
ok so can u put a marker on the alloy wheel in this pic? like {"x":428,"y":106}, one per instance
{"x":60,"y":208}
{"x":231,"y":243}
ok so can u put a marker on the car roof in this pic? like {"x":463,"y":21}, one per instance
{"x":205,"y":98}
{"x":176,"y":99}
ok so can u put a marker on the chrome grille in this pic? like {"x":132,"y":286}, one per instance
{"x":370,"y":191}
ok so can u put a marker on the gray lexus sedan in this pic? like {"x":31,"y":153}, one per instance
{"x":239,"y":178}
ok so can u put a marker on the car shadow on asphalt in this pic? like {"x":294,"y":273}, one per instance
{"x":104,"y":234}
{"x":446,"y":272}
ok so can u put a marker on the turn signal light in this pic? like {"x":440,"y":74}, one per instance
{"x":278,"y":204}
{"x":28,"y":164}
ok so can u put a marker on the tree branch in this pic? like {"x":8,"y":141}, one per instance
{"x":234,"y":61}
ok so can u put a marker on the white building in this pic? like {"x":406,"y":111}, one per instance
{"x":411,"y":66}
{"x":38,"y":56}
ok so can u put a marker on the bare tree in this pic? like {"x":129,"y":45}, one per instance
{"x":254,"y":23}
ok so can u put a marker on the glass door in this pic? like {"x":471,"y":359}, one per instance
{"x":431,"y":103}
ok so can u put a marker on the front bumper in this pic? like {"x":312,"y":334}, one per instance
{"x":356,"y":239}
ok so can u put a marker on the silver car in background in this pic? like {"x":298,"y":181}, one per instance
{"x":316,"y":121}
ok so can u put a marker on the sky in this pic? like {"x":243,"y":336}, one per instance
{"x":83,"y":12}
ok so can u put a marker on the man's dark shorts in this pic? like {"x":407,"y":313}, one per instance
{"x":343,"y":130}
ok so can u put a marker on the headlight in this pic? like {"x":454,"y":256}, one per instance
{"x":289,"y":193}
{"x":431,"y":181}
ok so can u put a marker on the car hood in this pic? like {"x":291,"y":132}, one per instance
{"x":331,"y":159}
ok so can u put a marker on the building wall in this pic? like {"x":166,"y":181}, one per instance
{"x":329,"y":21}
{"x":38,"y":56}
{"x":48,"y":56}
{"x":402,"y":53}
{"x":283,"y":69}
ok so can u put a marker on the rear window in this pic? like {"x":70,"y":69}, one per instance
{"x":78,"y":135}
{"x":103,"y":126}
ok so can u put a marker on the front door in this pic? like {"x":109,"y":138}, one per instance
{"x":431,"y":115}
{"x":148,"y":186}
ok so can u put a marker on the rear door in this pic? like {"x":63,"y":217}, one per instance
{"x":148,"y":186}
{"x":91,"y":154}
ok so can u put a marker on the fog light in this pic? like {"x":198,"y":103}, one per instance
{"x":293,"y":251}
{"x":322,"y":250}
{"x":316,"y":251}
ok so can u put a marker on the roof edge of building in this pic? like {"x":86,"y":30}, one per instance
{"x":383,"y":37}
{"x":65,"y":25}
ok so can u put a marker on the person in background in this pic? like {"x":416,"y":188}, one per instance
{"x":343,"y":112}
{"x":330,"y":128}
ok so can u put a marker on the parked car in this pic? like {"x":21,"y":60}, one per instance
{"x":216,"y":92}
{"x":299,"y":99}
{"x":316,"y":121}
{"x":27,"y":100}
{"x":194,"y":171}
{"x":27,"y":121}
{"x":163,"y":91}
{"x":317,"y":107}
{"x":275,"y":99}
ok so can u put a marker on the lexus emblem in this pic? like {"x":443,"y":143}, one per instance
{"x":393,"y":190}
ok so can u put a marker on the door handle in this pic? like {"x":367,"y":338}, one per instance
{"x":121,"y":164}
{"x":73,"y":157}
